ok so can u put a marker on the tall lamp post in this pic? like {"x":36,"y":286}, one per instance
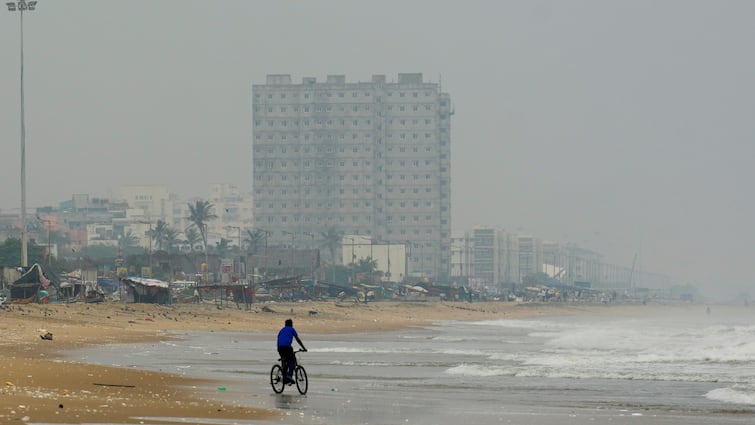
{"x":238,"y":228}
{"x":150,"y":235}
{"x":408,"y":256}
{"x":267,"y":233}
{"x":389,"y":261}
{"x":293,"y":235}
{"x":21,"y":6}
{"x":206,"y":258}
{"x":353,"y":257}
{"x":372,"y":261}
{"x":314,"y":257}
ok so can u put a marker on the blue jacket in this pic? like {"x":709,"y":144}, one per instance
{"x":286,"y":336}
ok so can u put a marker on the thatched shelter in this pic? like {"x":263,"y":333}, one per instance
{"x":35,"y":281}
{"x":144,"y":290}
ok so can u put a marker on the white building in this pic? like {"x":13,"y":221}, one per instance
{"x":155,"y":200}
{"x":367,"y":158}
{"x":495,"y":256}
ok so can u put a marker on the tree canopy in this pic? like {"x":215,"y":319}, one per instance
{"x":199,"y":214}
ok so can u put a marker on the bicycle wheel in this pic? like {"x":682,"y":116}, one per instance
{"x":302,"y":384}
{"x":276,"y":379}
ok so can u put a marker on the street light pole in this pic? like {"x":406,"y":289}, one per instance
{"x":352,"y":260}
{"x":389,"y":261}
{"x":266,"y":235}
{"x":314,"y":257}
{"x":49,"y":244}
{"x":151,"y":235}
{"x":206,"y":262}
{"x":407,"y":257}
{"x":21,"y":6}
{"x":293,"y":235}
{"x":238,"y":228}
{"x":372,"y":262}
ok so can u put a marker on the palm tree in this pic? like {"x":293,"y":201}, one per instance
{"x":253,"y":239}
{"x":158,"y":234}
{"x":129,"y":239}
{"x":199,"y":214}
{"x":192,"y":237}
{"x":332,"y":239}
{"x":366,"y":265}
{"x":170,"y":238}
{"x":221,"y":248}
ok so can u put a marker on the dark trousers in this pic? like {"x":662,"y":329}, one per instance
{"x":289,"y":359}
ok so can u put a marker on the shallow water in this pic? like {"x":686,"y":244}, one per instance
{"x":674,"y":368}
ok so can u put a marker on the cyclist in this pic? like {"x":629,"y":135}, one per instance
{"x":285,"y":340}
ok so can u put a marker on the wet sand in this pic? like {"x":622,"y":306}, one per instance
{"x":39,"y":387}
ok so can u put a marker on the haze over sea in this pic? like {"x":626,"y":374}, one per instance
{"x":673,"y":365}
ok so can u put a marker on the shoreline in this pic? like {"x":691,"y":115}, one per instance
{"x":37,"y":386}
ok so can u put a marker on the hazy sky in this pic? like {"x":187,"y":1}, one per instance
{"x":625,"y":127}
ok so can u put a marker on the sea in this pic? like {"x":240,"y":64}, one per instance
{"x":691,"y":365}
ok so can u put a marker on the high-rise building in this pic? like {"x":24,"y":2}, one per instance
{"x":366,"y":158}
{"x":495,"y":256}
{"x":530,"y":256}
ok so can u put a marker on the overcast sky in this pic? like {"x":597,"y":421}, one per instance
{"x":625,"y":127}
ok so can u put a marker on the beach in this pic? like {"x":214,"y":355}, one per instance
{"x":39,"y":387}
{"x":382,"y":362}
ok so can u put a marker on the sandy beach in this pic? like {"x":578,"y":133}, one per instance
{"x":39,"y":387}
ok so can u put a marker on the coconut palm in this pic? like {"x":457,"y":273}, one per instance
{"x":129,"y":239}
{"x":254,"y":238}
{"x":366,"y":265}
{"x":199,"y":214}
{"x":170,"y":238}
{"x":221,"y":248}
{"x":192,"y":237}
{"x":157,"y":234}
{"x":332,"y":240}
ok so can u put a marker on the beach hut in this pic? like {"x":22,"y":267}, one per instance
{"x":32,"y":285}
{"x":139,"y":289}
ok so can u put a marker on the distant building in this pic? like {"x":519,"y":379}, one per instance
{"x":555,"y":261}
{"x":530,"y":256}
{"x":494,"y":256}
{"x":583,"y":265}
{"x":154,"y":200}
{"x":366,"y":158}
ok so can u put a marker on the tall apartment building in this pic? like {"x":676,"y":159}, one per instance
{"x":495,"y":259}
{"x":366,"y":158}
{"x":530,"y":256}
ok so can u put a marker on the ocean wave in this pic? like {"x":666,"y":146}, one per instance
{"x":361,"y":350}
{"x":523,"y":324}
{"x":477,"y":370}
{"x":737,"y":394}
{"x":617,"y":374}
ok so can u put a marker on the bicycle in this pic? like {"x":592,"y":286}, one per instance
{"x":277,"y":376}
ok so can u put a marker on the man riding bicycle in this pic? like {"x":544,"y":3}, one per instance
{"x":285,"y":341}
